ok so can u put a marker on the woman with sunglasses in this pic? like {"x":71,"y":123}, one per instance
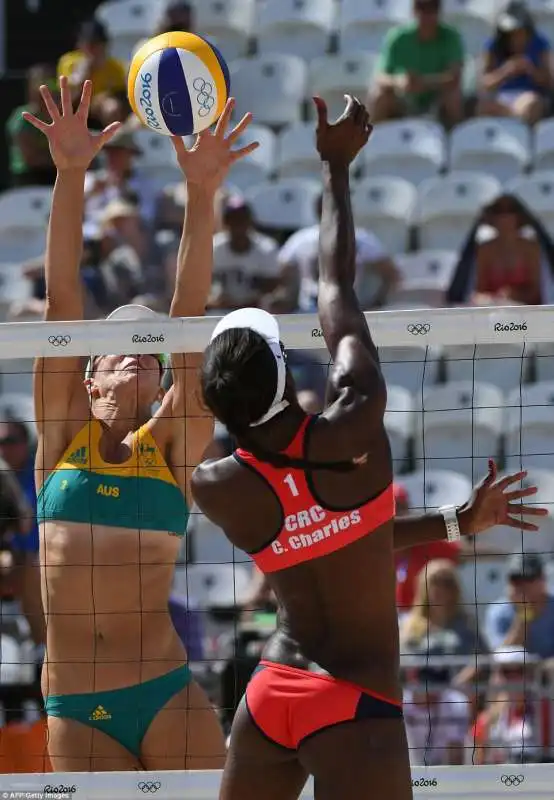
{"x":113,"y":485}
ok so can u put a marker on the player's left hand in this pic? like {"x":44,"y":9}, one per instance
{"x":495,"y":502}
{"x":207,"y":163}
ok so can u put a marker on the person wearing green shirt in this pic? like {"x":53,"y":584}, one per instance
{"x":29,"y":158}
{"x":420,"y":68}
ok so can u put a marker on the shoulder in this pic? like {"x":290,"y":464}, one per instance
{"x":115,"y":67}
{"x":369,"y":245}
{"x":300,"y":239}
{"x":455,"y":703}
{"x":210,"y":480}
{"x":500,"y":612}
{"x":265,"y":244}
{"x":15,"y":121}
{"x":400,"y":34}
{"x":69,"y":60}
{"x":449,"y":33}
{"x":220,"y":240}
{"x":540,"y":42}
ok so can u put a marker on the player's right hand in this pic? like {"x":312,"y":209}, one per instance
{"x":72,"y":145}
{"x":339,"y":143}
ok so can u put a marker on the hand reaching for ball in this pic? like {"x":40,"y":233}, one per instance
{"x":207,"y":163}
{"x":72,"y":145}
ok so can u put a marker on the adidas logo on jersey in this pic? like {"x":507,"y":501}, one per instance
{"x":99,"y":714}
{"x":78,"y":456}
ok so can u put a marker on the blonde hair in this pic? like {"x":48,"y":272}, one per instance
{"x":416,"y":623}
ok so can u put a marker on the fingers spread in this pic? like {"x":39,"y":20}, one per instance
{"x":179,"y":146}
{"x":35,"y":122}
{"x":224,"y":119}
{"x":65,"y":92}
{"x":107,"y":134}
{"x":51,"y":107}
{"x":519,"y":493}
{"x":240,"y":128}
{"x":528,"y":511}
{"x":509,"y":479}
{"x":244,"y":151}
{"x":321,"y":109}
{"x":520,"y":525}
{"x":86,"y":97}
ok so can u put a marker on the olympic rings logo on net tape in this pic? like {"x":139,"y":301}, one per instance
{"x":512,"y":780}
{"x":149,"y":787}
{"x":59,"y":341}
{"x":419,"y":328}
{"x":204,"y":98}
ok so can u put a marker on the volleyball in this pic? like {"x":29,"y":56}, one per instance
{"x":178,"y":84}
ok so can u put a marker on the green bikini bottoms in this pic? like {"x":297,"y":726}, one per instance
{"x":124,"y":714}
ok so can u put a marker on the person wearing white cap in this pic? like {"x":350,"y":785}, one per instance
{"x":113,"y":485}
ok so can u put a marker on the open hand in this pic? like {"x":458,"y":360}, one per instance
{"x":491,"y":504}
{"x":72,"y":145}
{"x":207,"y":163}
{"x":340,"y":142}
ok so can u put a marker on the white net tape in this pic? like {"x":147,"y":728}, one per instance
{"x":478,"y":342}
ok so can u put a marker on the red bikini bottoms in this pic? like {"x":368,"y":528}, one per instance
{"x":288,"y":705}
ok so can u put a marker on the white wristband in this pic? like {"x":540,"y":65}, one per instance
{"x":450,"y":514}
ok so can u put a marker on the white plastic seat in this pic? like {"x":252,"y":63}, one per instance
{"x":447,"y":207}
{"x":258,"y":166}
{"x":296,"y":27}
{"x":502,"y":539}
{"x":425,"y":264}
{"x":271,"y":86}
{"x":399,"y":424}
{"x":459,"y":427}
{"x":16,"y":376}
{"x":289,"y":203}
{"x":530,"y":426}
{"x":537,"y":192}
{"x":495,"y":146}
{"x":543,"y":16}
{"x":483,"y":581}
{"x":505,"y":366}
{"x":21,"y":406}
{"x":210,"y":545}
{"x":410,"y":367}
{"x":544,"y":361}
{"x":24,"y":217}
{"x":429,"y":489}
{"x":385,"y":205}
{"x":213,"y":585}
{"x":472,"y":19}
{"x":364,"y":23}
{"x":158,"y":160}
{"x":333,"y":76}
{"x":14,"y":286}
{"x":229,"y":22}
{"x":297,"y":155}
{"x":411,"y":149}
{"x":418,"y":292}
{"x":127,"y":22}
{"x":543,"y":158}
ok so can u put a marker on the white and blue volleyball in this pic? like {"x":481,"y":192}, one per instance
{"x":178,"y":84}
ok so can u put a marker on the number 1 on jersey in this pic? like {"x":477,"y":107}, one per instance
{"x":289,"y":480}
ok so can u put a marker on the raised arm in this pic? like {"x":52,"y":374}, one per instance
{"x":357,"y":375}
{"x":72,"y":148}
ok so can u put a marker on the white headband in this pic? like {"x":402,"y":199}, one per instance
{"x":266,"y":326}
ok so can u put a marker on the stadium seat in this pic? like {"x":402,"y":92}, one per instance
{"x":529,"y":426}
{"x":363,"y":24}
{"x":543,"y":149}
{"x":16,"y":376}
{"x":448,"y":206}
{"x":213,"y":585}
{"x":14,"y":287}
{"x":24,"y":216}
{"x":385,"y":205}
{"x":436,"y":264}
{"x":544,"y":361}
{"x":483,"y":581}
{"x":399,"y":424}
{"x":499,"y":147}
{"x":537,"y":192}
{"x":158,"y":160}
{"x":271,"y":86}
{"x":287,"y":204}
{"x":411,"y":149}
{"x":506,"y":366}
{"x":297,"y":155}
{"x":259,"y":165}
{"x":410,"y":367}
{"x":472,"y":19}
{"x":21,"y":406}
{"x":297,"y":27}
{"x":418,"y":293}
{"x":502,"y":539}
{"x":228,"y":22}
{"x":331,"y":77}
{"x":459,"y":427}
{"x":127,"y":21}
{"x":429,"y":489}
{"x":543,"y":16}
{"x":209,"y":544}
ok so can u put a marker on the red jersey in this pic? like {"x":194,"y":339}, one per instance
{"x":309,"y":529}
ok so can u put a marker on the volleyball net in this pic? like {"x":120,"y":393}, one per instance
{"x":464,"y":386}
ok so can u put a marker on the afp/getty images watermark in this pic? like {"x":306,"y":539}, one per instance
{"x":67,"y":794}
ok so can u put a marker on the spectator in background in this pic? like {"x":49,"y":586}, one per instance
{"x":420,"y":68}
{"x":30,"y":162}
{"x":176,"y":16}
{"x":92,"y":61}
{"x":517,"y":73}
{"x":122,"y":251}
{"x":508,"y":257}
{"x":525,"y":617}
{"x":437,"y":717}
{"x":508,"y":730}
{"x":410,"y":563}
{"x":120,"y":179}
{"x":437,"y":611}
{"x":246,"y":270}
{"x":376,"y":274}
